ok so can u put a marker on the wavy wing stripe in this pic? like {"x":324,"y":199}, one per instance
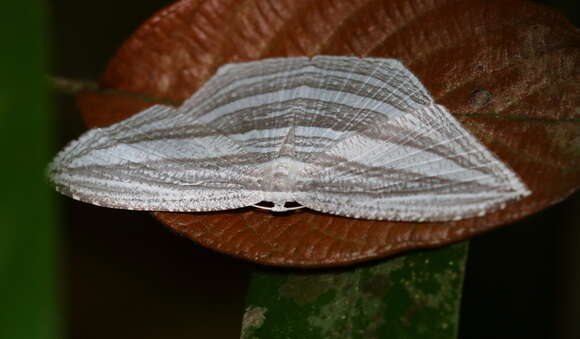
{"x":231,"y":77}
{"x":233,"y":108}
{"x":449,"y":167}
{"x":151,"y":188}
{"x":220,"y":179}
{"x":434,"y":208}
{"x":310,"y":113}
{"x":292,"y":84}
{"x":260,"y":84}
{"x":397,"y":83}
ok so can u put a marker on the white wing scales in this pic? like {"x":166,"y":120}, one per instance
{"x":157,"y":160}
{"x":411,"y":169}
{"x":344,"y":135}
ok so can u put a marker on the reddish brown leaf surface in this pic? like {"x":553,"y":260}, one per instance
{"x":508,"y":70}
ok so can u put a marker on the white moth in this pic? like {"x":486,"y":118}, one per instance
{"x":356,"y":137}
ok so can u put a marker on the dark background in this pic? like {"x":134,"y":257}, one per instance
{"x":127,"y":276}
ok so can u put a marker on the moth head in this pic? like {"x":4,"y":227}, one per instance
{"x":279,"y":205}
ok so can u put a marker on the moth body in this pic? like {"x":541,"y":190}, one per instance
{"x":281,"y":179}
{"x":355,"y":137}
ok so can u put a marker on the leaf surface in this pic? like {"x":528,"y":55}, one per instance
{"x":509,"y":70}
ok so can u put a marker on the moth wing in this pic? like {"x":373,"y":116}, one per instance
{"x":357,"y":91}
{"x":160,"y":159}
{"x":417,"y":167}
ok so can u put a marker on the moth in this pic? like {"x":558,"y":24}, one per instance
{"x":354,"y":137}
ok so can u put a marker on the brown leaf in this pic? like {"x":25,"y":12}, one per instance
{"x":508,"y":70}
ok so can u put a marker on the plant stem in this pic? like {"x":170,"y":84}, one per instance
{"x":412,"y":296}
{"x":74,"y":87}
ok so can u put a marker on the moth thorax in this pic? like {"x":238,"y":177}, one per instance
{"x":281,"y":175}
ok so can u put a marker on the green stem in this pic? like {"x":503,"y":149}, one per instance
{"x":28,"y":233}
{"x":412,"y":296}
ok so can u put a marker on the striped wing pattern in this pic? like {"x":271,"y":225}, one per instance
{"x":156,"y":160}
{"x":417,"y":167}
{"x":357,"y":137}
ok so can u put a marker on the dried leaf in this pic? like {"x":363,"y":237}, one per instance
{"x":508,"y":70}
